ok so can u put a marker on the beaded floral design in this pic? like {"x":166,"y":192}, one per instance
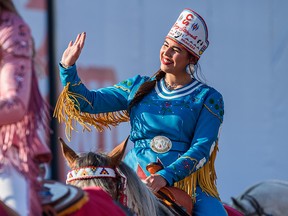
{"x":125,"y":85}
{"x":216,"y":107}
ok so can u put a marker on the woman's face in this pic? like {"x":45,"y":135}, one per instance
{"x":173,"y":57}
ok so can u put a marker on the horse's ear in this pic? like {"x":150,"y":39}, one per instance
{"x":236,"y":204}
{"x":117,"y":153}
{"x":68,"y":153}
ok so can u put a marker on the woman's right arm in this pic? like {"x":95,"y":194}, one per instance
{"x":103,"y":101}
{"x":109,"y":99}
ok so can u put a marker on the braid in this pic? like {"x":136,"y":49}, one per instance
{"x":145,"y":88}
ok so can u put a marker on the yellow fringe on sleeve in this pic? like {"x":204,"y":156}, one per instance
{"x":67,"y":110}
{"x":205,"y":177}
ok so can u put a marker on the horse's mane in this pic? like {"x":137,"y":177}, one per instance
{"x":140,"y":200}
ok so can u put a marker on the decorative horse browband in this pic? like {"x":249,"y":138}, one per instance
{"x":90,"y":172}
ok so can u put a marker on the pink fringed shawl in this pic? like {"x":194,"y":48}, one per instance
{"x":20,"y":143}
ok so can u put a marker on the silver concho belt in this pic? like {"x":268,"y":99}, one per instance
{"x":160,"y":144}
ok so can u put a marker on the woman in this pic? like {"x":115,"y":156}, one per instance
{"x":175,"y":119}
{"x":22,"y":113}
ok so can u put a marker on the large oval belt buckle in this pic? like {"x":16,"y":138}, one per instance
{"x":160,"y":144}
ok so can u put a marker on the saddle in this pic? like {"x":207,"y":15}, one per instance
{"x":60,"y":199}
{"x":172,"y":196}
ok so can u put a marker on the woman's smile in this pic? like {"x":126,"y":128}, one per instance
{"x":166,"y":61}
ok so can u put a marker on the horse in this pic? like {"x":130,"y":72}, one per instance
{"x":122,"y":183}
{"x":265,"y":198}
{"x":114,"y":177}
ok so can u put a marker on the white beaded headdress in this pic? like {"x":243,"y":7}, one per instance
{"x":190,"y":30}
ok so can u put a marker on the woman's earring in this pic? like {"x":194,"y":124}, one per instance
{"x":190,"y":69}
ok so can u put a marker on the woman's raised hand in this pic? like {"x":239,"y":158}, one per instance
{"x":73,"y":51}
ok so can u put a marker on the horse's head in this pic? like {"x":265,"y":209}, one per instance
{"x":264,"y":198}
{"x":115,"y":177}
{"x":96,"y":169}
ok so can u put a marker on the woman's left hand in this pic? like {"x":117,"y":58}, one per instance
{"x":155,"y":182}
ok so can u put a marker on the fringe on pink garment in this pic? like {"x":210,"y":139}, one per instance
{"x":23,"y":136}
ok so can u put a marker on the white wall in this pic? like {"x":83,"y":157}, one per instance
{"x":246,"y":61}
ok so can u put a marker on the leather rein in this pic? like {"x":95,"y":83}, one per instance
{"x":255,"y":204}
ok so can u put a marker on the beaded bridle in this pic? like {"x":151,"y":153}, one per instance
{"x":90,"y":172}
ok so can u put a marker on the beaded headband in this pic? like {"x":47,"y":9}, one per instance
{"x":90,"y":172}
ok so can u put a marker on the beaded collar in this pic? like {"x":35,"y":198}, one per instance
{"x":165,"y":93}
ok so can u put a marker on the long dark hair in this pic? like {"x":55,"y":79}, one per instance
{"x":145,"y":88}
